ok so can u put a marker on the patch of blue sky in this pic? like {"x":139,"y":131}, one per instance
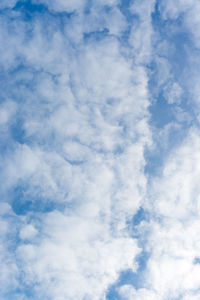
{"x":87,"y":8}
{"x":30,"y":10}
{"x":163,"y":114}
{"x":96,"y":35}
{"x":176,"y":40}
{"x":128,"y":277}
{"x":132,"y":21}
{"x":24,"y":200}
{"x":132,"y":18}
{"x":18,"y":132}
{"x":25,"y":203}
{"x":24,"y":290}
{"x":171,"y":44}
{"x":197,"y":260}
{"x":140,"y":216}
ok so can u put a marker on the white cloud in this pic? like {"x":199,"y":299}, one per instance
{"x":180,"y":175}
{"x":172,"y":9}
{"x":127,"y":292}
{"x":173,"y":239}
{"x":84,"y":126}
{"x":189,"y":11}
{"x":173,"y":93}
{"x":191,"y":297}
{"x":83,"y":102}
{"x":171,"y":271}
{"x":28,"y":232}
{"x":142,"y":47}
{"x":9,"y":269}
{"x":71,"y":253}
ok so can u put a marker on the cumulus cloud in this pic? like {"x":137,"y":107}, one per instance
{"x":143,"y":26}
{"x":172,"y":269}
{"x":99,"y":118}
{"x":73,"y":160}
{"x":180,"y":175}
{"x":9,"y":269}
{"x":77,"y":257}
{"x":127,"y":292}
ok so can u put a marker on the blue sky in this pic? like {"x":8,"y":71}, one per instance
{"x":99,"y":149}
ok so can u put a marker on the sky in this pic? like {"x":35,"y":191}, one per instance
{"x":99,"y":149}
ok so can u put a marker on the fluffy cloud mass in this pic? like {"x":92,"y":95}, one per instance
{"x":99,"y":134}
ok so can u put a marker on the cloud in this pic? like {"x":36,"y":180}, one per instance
{"x":73,"y":161}
{"x":172,"y":241}
{"x":180,"y":175}
{"x":173,"y":9}
{"x":172,"y":199}
{"x":171,"y":271}
{"x":9,"y":268}
{"x":7,"y":110}
{"x":143,"y":27}
{"x":184,"y":24}
{"x":127,"y":292}
{"x":76,"y":257}
{"x":28,"y":232}
{"x":99,"y":121}
{"x":173,"y":93}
